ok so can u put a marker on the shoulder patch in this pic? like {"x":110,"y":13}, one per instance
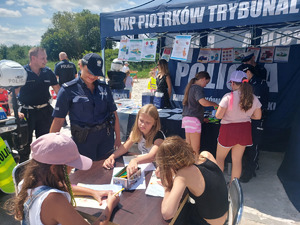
{"x":70,"y":83}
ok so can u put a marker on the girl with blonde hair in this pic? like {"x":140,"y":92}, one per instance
{"x":146,"y":132}
{"x":236,"y":110}
{"x":179,"y":169}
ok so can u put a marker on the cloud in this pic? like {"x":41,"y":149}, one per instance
{"x":95,"y":6}
{"x":24,"y":36}
{"x":9,"y":13}
{"x":10,"y":2}
{"x":34,"y":11}
{"x":46,"y":21}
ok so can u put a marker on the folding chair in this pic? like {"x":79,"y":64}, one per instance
{"x":236,"y":202}
{"x":17,"y":174}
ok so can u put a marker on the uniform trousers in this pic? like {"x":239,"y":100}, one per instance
{"x":39,"y":120}
{"x":250,"y":157}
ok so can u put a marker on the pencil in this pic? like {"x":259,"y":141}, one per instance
{"x":116,"y":194}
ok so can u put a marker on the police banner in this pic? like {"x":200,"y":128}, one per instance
{"x":182,"y":15}
{"x":283,"y":80}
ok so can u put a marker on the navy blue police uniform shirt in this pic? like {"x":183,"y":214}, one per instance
{"x":65,"y":70}
{"x":85,"y":108}
{"x":36,"y":90}
{"x":261,"y":90}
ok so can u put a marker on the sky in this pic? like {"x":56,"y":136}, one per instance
{"x":23,"y":22}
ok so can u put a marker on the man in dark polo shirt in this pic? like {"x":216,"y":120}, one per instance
{"x":261,"y":90}
{"x":34,"y":96}
{"x":64,"y":70}
{"x":249,"y":58}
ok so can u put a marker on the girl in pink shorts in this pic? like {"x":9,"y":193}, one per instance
{"x":193,"y":109}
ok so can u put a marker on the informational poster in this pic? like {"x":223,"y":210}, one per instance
{"x":237,"y":54}
{"x":255,"y":50}
{"x":215,"y":55}
{"x":204,"y":55}
{"x":135,"y":50}
{"x":149,"y":49}
{"x":190,"y":56}
{"x":181,"y":47}
{"x":209,"y":55}
{"x":123,"y":50}
{"x":166,"y":53}
{"x":227,"y":55}
{"x":282,"y":54}
{"x":266,"y":54}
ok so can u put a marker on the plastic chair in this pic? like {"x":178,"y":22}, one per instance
{"x":17,"y":174}
{"x":236,"y":202}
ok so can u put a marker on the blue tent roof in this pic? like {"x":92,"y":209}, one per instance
{"x":160,"y":16}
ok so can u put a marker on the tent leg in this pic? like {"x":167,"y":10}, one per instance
{"x":103,"y":57}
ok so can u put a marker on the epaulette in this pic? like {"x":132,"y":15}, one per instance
{"x":69,"y":83}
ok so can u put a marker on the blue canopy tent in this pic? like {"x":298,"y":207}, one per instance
{"x":229,"y":20}
{"x":179,"y":16}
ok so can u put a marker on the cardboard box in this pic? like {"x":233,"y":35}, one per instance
{"x":125,"y":182}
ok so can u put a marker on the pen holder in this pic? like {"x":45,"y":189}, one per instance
{"x":124,"y":181}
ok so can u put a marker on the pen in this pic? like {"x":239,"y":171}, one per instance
{"x":116,"y":194}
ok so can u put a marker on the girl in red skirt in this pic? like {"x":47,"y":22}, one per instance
{"x":236,"y":110}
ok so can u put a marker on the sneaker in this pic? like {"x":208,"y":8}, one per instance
{"x":246,"y":177}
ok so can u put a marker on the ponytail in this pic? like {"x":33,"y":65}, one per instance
{"x":198,"y":76}
{"x":246,"y":98}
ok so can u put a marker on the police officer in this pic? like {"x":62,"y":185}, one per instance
{"x":249,"y":58}
{"x":92,"y":111}
{"x":64,"y":70}
{"x":34,"y":96}
{"x":261,"y":90}
{"x":116,"y":76}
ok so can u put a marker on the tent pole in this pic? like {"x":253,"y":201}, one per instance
{"x":160,"y":47}
{"x":103,"y":57}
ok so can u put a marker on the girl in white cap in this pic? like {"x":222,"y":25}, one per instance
{"x":236,"y":110}
{"x":46,"y":192}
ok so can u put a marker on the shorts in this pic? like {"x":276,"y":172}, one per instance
{"x":191,"y":124}
{"x":235,"y":133}
{"x":128,"y":88}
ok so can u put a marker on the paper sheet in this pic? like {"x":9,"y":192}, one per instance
{"x":161,"y":115}
{"x":154,"y":187}
{"x":91,"y":202}
{"x":175,"y":117}
{"x":144,"y":166}
{"x":140,"y":184}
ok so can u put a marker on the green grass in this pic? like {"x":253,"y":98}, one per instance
{"x":143,"y":68}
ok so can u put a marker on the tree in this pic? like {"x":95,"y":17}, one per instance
{"x":72,"y":33}
{"x":15,"y":52}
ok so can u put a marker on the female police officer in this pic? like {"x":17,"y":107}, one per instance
{"x":92,"y":111}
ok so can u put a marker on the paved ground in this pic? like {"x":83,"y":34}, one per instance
{"x":265,"y":200}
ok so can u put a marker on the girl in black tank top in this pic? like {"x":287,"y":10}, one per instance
{"x":202,"y":177}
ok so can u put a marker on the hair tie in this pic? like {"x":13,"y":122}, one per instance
{"x":245,"y":81}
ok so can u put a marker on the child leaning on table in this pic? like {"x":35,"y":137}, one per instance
{"x":179,"y":169}
{"x":46,"y":193}
{"x":146,"y":132}
{"x":193,"y":109}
